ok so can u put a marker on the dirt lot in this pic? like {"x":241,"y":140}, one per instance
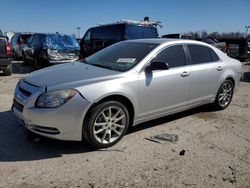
{"x":216,"y":145}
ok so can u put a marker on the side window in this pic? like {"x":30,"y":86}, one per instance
{"x":133,"y":32}
{"x":199,"y":54}
{"x":86,"y":37}
{"x":109,"y":33}
{"x":149,"y":32}
{"x":214,"y":56}
{"x":173,"y":55}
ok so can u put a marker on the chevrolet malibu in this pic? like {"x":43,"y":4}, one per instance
{"x":123,"y":85}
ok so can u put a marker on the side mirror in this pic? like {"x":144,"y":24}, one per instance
{"x":157,"y":65}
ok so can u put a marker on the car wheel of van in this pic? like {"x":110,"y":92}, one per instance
{"x":7,"y":71}
{"x":224,"y":95}
{"x":37,"y":63}
{"x":106,"y":124}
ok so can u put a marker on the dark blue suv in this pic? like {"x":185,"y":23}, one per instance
{"x":97,"y":38}
{"x":45,"y":49}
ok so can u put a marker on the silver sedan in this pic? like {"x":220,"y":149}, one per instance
{"x":123,"y":85}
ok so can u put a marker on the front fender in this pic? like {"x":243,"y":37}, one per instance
{"x":126,"y":87}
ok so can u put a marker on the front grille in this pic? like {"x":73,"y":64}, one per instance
{"x":17,"y":105}
{"x":25,"y":92}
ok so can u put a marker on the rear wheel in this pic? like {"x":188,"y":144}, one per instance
{"x":106,"y":124}
{"x":224,"y":95}
{"x":7,"y":71}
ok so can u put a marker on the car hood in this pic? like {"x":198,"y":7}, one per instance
{"x":69,"y":74}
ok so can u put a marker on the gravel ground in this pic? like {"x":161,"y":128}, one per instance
{"x":213,"y":150}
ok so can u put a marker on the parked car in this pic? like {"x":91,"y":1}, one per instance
{"x":220,"y":45}
{"x":18,"y":42}
{"x":237,"y":48}
{"x":179,"y":36}
{"x":5,"y":56}
{"x":123,"y":85}
{"x":99,"y":37}
{"x":45,"y":49}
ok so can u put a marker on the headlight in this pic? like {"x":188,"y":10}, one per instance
{"x":55,"y":99}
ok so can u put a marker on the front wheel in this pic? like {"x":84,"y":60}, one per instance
{"x":224,"y":95}
{"x":106,"y":124}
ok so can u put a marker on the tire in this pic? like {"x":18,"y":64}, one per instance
{"x":106,"y":124}
{"x":7,"y":71}
{"x":224,"y":95}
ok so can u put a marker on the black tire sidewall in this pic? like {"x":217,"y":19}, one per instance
{"x":88,"y":124}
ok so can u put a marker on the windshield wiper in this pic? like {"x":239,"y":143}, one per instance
{"x":102,"y":66}
{"x":98,"y":65}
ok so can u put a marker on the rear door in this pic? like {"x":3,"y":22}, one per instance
{"x":206,"y":69}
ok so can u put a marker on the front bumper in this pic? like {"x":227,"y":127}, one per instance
{"x":62,"y":123}
{"x":62,"y":61}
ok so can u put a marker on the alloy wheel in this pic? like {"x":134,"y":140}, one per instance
{"x":109,"y":125}
{"x":225,"y":94}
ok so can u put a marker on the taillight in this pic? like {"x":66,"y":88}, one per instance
{"x":7,"y":48}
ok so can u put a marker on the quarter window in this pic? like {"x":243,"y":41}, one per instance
{"x":174,"y":56}
{"x":199,"y":54}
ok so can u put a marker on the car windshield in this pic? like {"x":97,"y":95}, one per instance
{"x":121,"y":56}
{"x":25,"y":38}
{"x":60,"y":40}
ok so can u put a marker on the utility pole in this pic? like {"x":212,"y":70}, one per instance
{"x":247,"y":27}
{"x":78,"y":30}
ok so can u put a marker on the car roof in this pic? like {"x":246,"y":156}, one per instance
{"x":165,"y":41}
{"x":51,"y":34}
{"x":122,"y":23}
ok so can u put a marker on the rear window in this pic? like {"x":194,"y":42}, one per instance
{"x":199,"y":54}
{"x":112,"y":32}
{"x":139,"y":32}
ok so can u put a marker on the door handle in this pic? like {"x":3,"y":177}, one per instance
{"x":219,"y":68}
{"x":185,"y":73}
